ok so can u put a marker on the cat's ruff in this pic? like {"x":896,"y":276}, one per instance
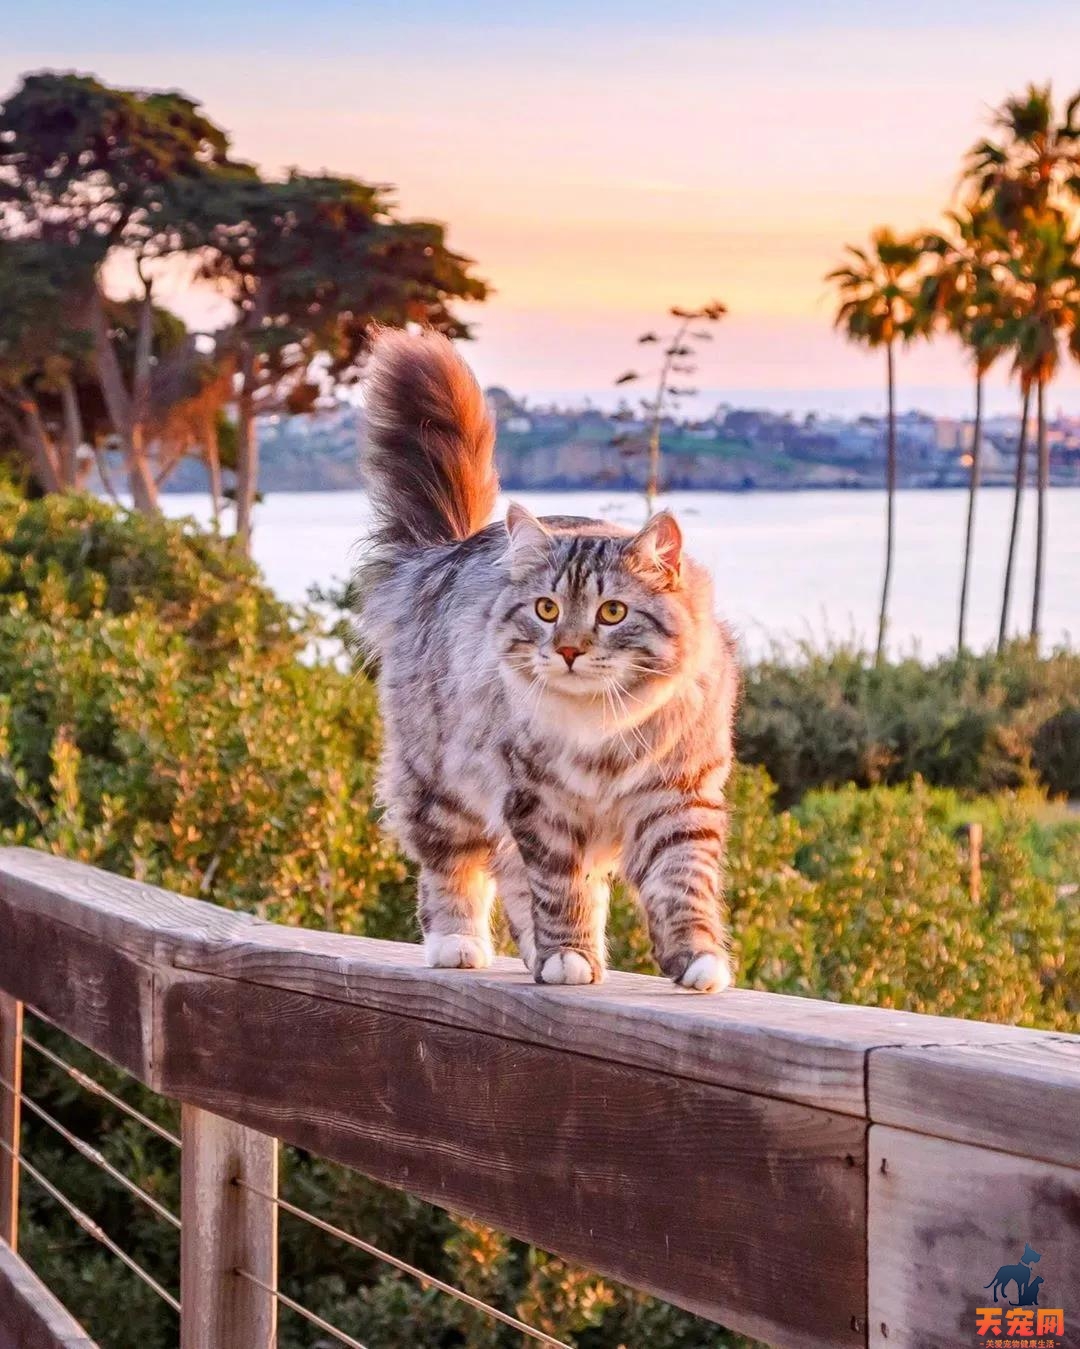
{"x":557,"y":696}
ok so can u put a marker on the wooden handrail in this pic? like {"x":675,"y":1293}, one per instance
{"x":806,"y":1172}
{"x":30,"y":1317}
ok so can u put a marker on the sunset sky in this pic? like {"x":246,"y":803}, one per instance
{"x":604,"y":159}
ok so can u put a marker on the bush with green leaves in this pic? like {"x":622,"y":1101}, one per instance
{"x":159,"y":718}
{"x":156,"y":719}
{"x":976,"y":723}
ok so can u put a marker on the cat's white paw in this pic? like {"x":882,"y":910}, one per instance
{"x":458,"y":952}
{"x":567,"y":967}
{"x":707,"y":973}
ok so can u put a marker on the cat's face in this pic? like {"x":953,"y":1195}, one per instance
{"x":600,"y":615}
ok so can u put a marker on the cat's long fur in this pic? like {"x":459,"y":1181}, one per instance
{"x":528,"y":757}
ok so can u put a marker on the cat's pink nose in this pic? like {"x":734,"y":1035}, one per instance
{"x":569,"y":654}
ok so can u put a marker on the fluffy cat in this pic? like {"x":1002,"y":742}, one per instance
{"x":557,"y":697}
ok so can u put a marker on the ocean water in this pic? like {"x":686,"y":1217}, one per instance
{"x":787,"y":566}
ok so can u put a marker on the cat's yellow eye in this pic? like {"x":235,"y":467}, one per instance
{"x":611,"y":611}
{"x":547,"y":609}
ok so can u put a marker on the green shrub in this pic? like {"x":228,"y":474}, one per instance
{"x":73,"y":557}
{"x":185,"y":743}
{"x":1056,"y":752}
{"x":893,"y":920}
{"x":977,"y":723}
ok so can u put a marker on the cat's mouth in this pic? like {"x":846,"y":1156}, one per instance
{"x":578,"y":682}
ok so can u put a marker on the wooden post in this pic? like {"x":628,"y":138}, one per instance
{"x":11,"y":1021}
{"x":225,"y":1228}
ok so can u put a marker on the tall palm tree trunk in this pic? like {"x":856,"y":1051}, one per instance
{"x":1014,"y":531}
{"x":973,"y":488}
{"x":1040,"y":515}
{"x":890,"y":503}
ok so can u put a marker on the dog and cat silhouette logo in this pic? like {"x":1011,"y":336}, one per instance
{"x":1021,"y":1323}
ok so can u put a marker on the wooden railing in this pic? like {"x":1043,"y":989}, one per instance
{"x":808,"y":1173}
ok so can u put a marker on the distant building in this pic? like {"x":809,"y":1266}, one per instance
{"x":501,"y":403}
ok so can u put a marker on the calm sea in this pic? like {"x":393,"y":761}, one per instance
{"x":787,"y":566}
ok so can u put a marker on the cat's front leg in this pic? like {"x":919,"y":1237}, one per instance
{"x":439,"y":829}
{"x":674,"y":858}
{"x":455,"y":917}
{"x":515,"y":896}
{"x":568,"y":907}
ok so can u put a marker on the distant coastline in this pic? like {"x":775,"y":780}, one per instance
{"x":551,"y":448}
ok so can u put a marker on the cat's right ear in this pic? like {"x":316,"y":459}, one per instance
{"x":529,"y":542}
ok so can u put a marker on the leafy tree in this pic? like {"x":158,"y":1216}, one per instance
{"x":878,"y":307}
{"x":44,"y":363}
{"x":679,"y":354}
{"x":106,"y":172}
{"x":311,"y":265}
{"x":963,"y":290}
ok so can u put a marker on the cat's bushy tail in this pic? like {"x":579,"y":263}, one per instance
{"x":429,"y":456}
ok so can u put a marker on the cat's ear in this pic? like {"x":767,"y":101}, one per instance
{"x":529,"y":541}
{"x":656,"y":551}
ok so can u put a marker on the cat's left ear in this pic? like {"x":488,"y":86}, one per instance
{"x":657,"y":550}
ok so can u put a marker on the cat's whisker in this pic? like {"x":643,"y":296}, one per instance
{"x":619,"y":692}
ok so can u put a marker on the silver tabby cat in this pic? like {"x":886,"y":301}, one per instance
{"x":557,"y":697}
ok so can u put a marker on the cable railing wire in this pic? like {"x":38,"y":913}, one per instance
{"x":301,"y":1310}
{"x":91,"y":1084}
{"x":92,"y":1155}
{"x":429,"y":1279}
{"x":91,"y":1228}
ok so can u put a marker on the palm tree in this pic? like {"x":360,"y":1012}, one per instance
{"x":1024,"y":177}
{"x":963,"y":292}
{"x":1035,"y":160}
{"x":878,"y":307}
{"x":1046,"y":271}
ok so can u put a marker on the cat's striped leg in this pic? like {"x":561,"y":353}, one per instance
{"x":515,"y":896}
{"x":456,"y":888}
{"x":674,"y":860}
{"x":567,"y":909}
{"x":455,"y":917}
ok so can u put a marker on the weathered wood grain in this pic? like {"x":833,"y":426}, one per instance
{"x":11,"y":1018}
{"x":944,"y":1217}
{"x":30,"y":1317}
{"x":226,"y":1228}
{"x":98,"y":993}
{"x":791,"y":1048}
{"x":745,"y":1209}
{"x":143,"y":920}
{"x":1022,"y":1098}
